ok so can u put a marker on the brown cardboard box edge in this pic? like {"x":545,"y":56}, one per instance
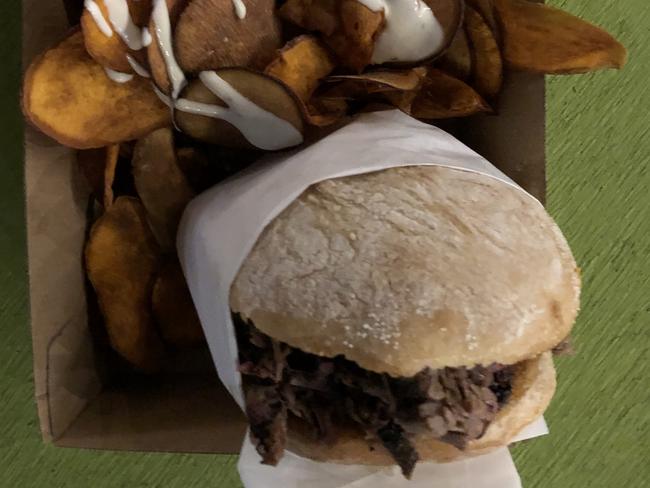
{"x":184,"y":410}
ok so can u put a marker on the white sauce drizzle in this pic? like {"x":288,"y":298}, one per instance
{"x":146,"y":37}
{"x":240,"y":8}
{"x":160,"y":18}
{"x":118,"y":76}
{"x":412,"y":32}
{"x":261,"y":128}
{"x":97,"y":15}
{"x":137,"y":67}
{"x":120,"y":17}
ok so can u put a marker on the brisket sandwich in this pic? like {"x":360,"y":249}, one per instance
{"x":403,"y":315}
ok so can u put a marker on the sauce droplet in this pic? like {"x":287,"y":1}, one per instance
{"x":412,"y":32}
{"x":146,"y":37}
{"x":118,"y":76}
{"x":240,"y":8}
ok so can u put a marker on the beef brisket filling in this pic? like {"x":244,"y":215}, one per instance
{"x":454,"y":404}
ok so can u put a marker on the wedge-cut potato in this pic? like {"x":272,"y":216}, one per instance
{"x":349,"y":27}
{"x":487,"y":66}
{"x":360,"y":28}
{"x":111,"y":51}
{"x":173,"y":308}
{"x":440,"y":97}
{"x":407,"y":79}
{"x":301,"y":65}
{"x":68,"y":96}
{"x":543,"y":39}
{"x":162,"y":186}
{"x":457,"y":61}
{"x":122,"y":259}
{"x":209,"y":35}
{"x":282,"y":112}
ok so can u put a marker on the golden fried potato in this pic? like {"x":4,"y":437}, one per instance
{"x":377,"y":81}
{"x":487,"y":10}
{"x":487,"y":66}
{"x":173,"y":308}
{"x":350,"y":28}
{"x":457,"y":60}
{"x":209,"y":35}
{"x":262,"y":90}
{"x":301,"y":65}
{"x":69,"y":97}
{"x":543,"y":39}
{"x":161,"y":185}
{"x":440,"y":97}
{"x":111,"y":51}
{"x":122,"y":259}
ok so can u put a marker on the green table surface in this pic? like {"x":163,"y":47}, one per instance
{"x":599,"y":191}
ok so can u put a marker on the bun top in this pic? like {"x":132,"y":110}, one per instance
{"x":409,"y":268}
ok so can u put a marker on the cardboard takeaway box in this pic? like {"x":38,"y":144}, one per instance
{"x":85,"y":397}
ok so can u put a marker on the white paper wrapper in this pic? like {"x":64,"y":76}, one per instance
{"x":221,"y":226}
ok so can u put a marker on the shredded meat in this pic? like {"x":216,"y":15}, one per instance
{"x":455,"y":404}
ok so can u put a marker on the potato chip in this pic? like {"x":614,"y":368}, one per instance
{"x":209,"y":35}
{"x":68,"y":96}
{"x":111,"y":51}
{"x":407,"y":79}
{"x":173,"y":308}
{"x":486,"y":9}
{"x":457,"y":60}
{"x":301,"y":65}
{"x":161,"y":185}
{"x":264,"y":91}
{"x":543,"y":39}
{"x":440,"y":97}
{"x":487,"y":66}
{"x":361,"y":26}
{"x":122,"y":258}
{"x":323,"y":111}
{"x":350,"y":28}
{"x":313,"y":15}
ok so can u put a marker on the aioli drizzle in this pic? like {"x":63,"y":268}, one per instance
{"x":160,"y":18}
{"x":98,"y":16}
{"x":412,"y":32}
{"x":260,"y":127}
{"x":137,"y":67}
{"x":120,"y":17}
{"x":118,"y":76}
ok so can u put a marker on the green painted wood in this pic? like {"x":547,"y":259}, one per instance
{"x":599,"y":191}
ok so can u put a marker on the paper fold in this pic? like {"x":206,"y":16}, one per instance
{"x":221,"y":226}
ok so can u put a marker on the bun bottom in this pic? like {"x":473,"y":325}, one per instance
{"x":532,"y":389}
